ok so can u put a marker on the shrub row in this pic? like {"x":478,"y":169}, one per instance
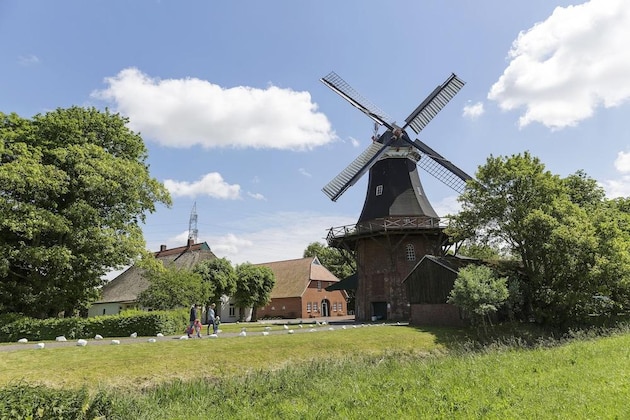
{"x":13,"y":328}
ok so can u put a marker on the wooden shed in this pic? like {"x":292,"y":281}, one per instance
{"x":428,"y":288}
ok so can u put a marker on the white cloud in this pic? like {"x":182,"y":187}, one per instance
{"x":28,"y":60}
{"x":562,"y":69}
{"x":619,"y":187}
{"x":256,"y":196}
{"x":622,"y":163}
{"x":447,"y":205}
{"x":305,"y":172}
{"x":188,"y":112}
{"x":473,"y":111}
{"x":272,"y":237}
{"x":354,"y":142}
{"x":211,"y":184}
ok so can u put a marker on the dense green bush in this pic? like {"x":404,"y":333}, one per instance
{"x":15,"y":327}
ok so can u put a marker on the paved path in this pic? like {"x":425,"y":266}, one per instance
{"x":293,"y":324}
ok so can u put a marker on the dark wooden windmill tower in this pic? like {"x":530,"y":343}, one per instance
{"x":397,"y":225}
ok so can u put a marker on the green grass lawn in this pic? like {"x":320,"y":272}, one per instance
{"x":377,"y":372}
{"x":144,"y":364}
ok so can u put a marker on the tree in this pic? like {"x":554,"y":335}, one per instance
{"x":74,"y":187}
{"x":253,"y":286}
{"x":562,"y":230}
{"x":173,"y":288}
{"x":220,"y":276}
{"x":478,"y":292}
{"x":339,"y":262}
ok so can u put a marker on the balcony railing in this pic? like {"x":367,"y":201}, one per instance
{"x":384,"y":224}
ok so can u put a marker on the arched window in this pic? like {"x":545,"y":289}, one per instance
{"x":411,"y":252}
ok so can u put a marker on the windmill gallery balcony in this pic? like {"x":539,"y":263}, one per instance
{"x":382,"y":226}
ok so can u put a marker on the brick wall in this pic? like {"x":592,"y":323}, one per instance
{"x":436,"y":314}
{"x":382,"y":266}
{"x":297,"y":307}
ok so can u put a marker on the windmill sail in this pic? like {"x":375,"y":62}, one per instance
{"x":354,"y":171}
{"x":424,"y":113}
{"x":431,"y":161}
{"x":343,"y":89}
{"x":441,"y":168}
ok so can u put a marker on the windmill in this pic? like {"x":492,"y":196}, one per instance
{"x":397,"y":222}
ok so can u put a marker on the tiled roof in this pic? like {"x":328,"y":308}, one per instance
{"x":294,"y":276}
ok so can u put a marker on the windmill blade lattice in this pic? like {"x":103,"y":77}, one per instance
{"x":441,"y":168}
{"x":343,"y":89}
{"x":354,"y":171}
{"x":424,"y":113}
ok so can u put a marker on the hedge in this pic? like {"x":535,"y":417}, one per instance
{"x":14,"y":327}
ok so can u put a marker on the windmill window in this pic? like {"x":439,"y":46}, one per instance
{"x":411,"y":252}
{"x":379,"y":189}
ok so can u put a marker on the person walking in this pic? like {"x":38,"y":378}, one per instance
{"x":211,"y":319}
{"x":194,"y":315}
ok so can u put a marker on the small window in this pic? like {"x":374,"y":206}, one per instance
{"x":103,"y":311}
{"x":334,"y":308}
{"x":308,"y":307}
{"x":379,"y":189}
{"x":314,"y":306}
{"x":411,"y":252}
{"x":232,"y":310}
{"x":319,"y":285}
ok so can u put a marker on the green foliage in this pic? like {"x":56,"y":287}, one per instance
{"x":23,"y":401}
{"x":74,"y":186}
{"x":339,"y":262}
{"x":220,"y":276}
{"x":122,"y":325}
{"x":573,"y":243}
{"x":478,"y":292}
{"x":253,"y":286}
{"x":172,"y":288}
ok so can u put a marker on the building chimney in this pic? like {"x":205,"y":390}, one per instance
{"x":162,"y":248}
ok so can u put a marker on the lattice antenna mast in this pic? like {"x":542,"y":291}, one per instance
{"x":192,"y":224}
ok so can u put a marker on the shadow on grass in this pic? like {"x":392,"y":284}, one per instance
{"x":520,"y":334}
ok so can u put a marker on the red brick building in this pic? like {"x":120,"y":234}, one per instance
{"x":300,"y":291}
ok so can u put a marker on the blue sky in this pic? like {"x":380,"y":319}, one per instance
{"x":228,"y":99}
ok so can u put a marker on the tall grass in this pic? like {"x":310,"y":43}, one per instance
{"x":384,"y":372}
{"x":587,"y":379}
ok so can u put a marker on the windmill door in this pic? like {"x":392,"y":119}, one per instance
{"x":379,"y":311}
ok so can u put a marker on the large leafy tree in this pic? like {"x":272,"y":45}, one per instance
{"x":74,"y":187}
{"x":253,"y":286}
{"x":569,"y":238}
{"x":173,"y":288}
{"x":220,"y":276}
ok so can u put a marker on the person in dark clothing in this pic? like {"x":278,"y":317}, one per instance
{"x":194,"y":315}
